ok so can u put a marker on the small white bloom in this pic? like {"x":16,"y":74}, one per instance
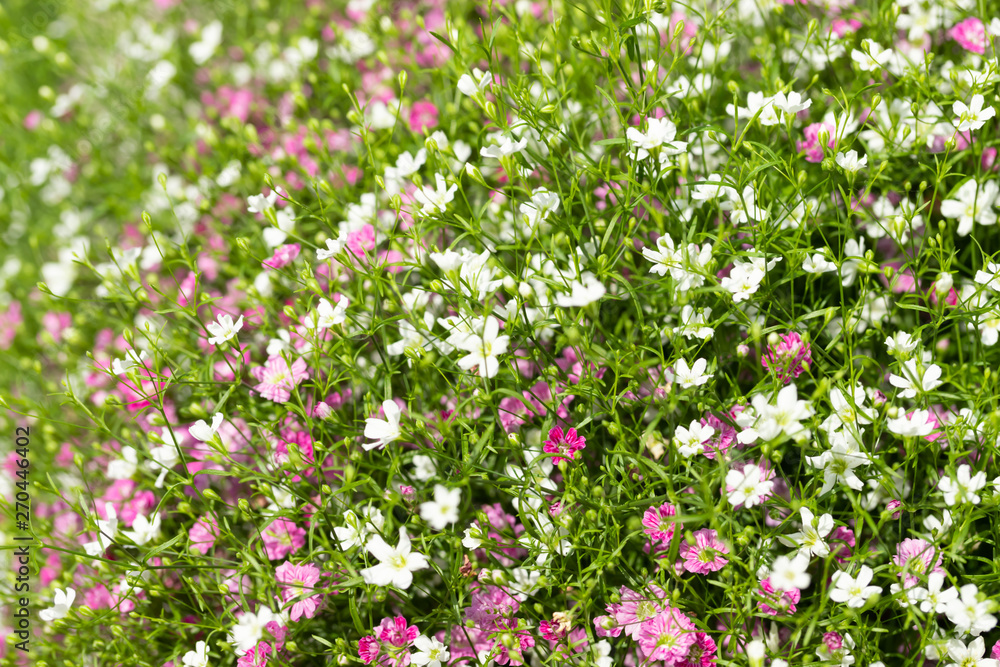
{"x":198,"y":657}
{"x":973,"y":116}
{"x":853,"y":591}
{"x":225,"y":329}
{"x":790,"y":573}
{"x":964,"y":488}
{"x":691,"y":376}
{"x":62,"y":601}
{"x":143,"y":530}
{"x":396,"y":564}
{"x":200,"y":430}
{"x":443,"y":509}
{"x":429,"y":652}
{"x":849,"y":161}
{"x":385,"y":430}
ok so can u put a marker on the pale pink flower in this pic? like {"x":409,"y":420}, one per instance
{"x":668,"y":636}
{"x":277,"y":379}
{"x":283,"y":256}
{"x":916,"y":557}
{"x":775,"y":602}
{"x":970,"y":35}
{"x":298,"y":581}
{"x":203,"y":535}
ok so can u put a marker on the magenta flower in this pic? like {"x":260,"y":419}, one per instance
{"x":368,"y":649}
{"x":777,"y":602}
{"x":255,"y":657}
{"x":788,"y":358}
{"x":563,"y":445}
{"x":282,"y":537}
{"x":637,"y":608}
{"x":701,"y":653}
{"x":668,"y":636}
{"x":299,"y":580}
{"x":658,"y":524}
{"x":811,"y":146}
{"x":970,"y":35}
{"x":706,"y":554}
{"x":397,"y":632}
{"x":277,"y":379}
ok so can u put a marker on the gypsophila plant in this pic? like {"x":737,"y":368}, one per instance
{"x":443,"y":332}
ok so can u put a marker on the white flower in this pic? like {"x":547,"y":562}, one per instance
{"x":912,"y":381}
{"x":901,"y":343}
{"x":423,"y":467}
{"x":474,"y":86}
{"x":473,"y":537}
{"x":200,"y":430}
{"x":249,"y":629}
{"x":659,"y":136}
{"x":435,"y":200}
{"x":990,"y":277}
{"x":932,"y":598}
{"x":810,"y":539}
{"x":429,"y":652}
{"x":502,"y":144}
{"x":749,"y":485}
{"x":973,"y":116}
{"x":443,"y":509}
{"x":62,"y":601}
{"x":969,"y":656}
{"x":849,"y":161}
{"x":211,"y":37}
{"x":838,"y":462}
{"x":126,"y":466}
{"x":790,"y":573}
{"x":385,"y":430}
{"x":583,"y":292}
{"x":143,"y":530}
{"x":224,"y":330}
{"x":106,"y":531}
{"x":743,"y":280}
{"x":356,"y":530}
{"x":131,"y":360}
{"x":260,"y":203}
{"x":198,"y":657}
{"x":691,"y":440}
{"x":396,"y":565}
{"x":691,"y":376}
{"x":972,"y":203}
{"x":964,"y":488}
{"x":854,"y":252}
{"x":333,"y":247}
{"x":484,"y":350}
{"x":970,"y":616}
{"x":853,"y":591}
{"x":917,"y":424}
{"x":756,"y":101}
{"x":784,"y":416}
{"x":875,"y":58}
{"x":938,"y":527}
{"x":328,"y":315}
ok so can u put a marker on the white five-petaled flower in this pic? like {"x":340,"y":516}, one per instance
{"x":790,"y":573}
{"x":901,"y":343}
{"x":810,"y":539}
{"x":748,"y":485}
{"x":912,"y":381}
{"x":200,"y":430}
{"x":971,"y":615}
{"x":396,"y":564}
{"x":443,"y":509}
{"x":225,"y":329}
{"x":356,"y":530}
{"x":838,"y":462}
{"x":971,"y":655}
{"x":849,"y":161}
{"x":691,"y":440}
{"x":385,"y":430}
{"x":853,"y":591}
{"x":131,"y":360}
{"x":333,"y":247}
{"x":62,"y":601}
{"x":964,"y":487}
{"x":435,"y":200}
{"x":198,"y":657}
{"x":484,"y":350}
{"x":429,"y":652}
{"x":328,"y":315}
{"x":972,"y":116}
{"x":990,"y":277}
{"x":659,"y":136}
{"x":691,"y":376}
{"x":872,"y":57}
{"x":250,"y":628}
{"x":918,"y":423}
{"x":972,"y":203}
{"x":143,"y":530}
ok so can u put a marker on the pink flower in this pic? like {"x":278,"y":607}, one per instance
{"x":811,"y":146}
{"x":424,"y":116}
{"x":255,"y":657}
{"x":396,"y":632}
{"x":788,"y":358}
{"x":970,"y":35}
{"x":297,"y":581}
{"x":203,"y":534}
{"x":658,"y":524}
{"x":701,"y":653}
{"x":277,"y":379}
{"x":668,"y":636}
{"x":283,"y":256}
{"x":915,"y":557}
{"x":361,"y":240}
{"x":777,"y":602}
{"x":637,"y":608}
{"x":723,"y":436}
{"x":368,"y":649}
{"x":563,"y":445}
{"x":706,"y":554}
{"x":282,"y":537}
{"x":995,"y":653}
